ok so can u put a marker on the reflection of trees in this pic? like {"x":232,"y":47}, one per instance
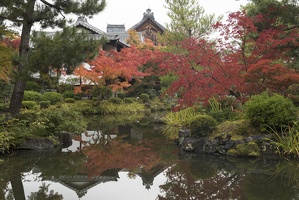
{"x":52,"y":163}
{"x":45,"y":194}
{"x":193,"y":180}
{"x":207,"y":178}
{"x":119,"y":154}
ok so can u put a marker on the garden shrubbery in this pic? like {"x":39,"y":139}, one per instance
{"x":69,"y":100}
{"x":121,"y":95}
{"x":68,"y":94}
{"x":59,"y":119}
{"x":266,"y":112}
{"x":116,"y":100}
{"x":128,"y":100}
{"x":53,"y":97}
{"x":30,"y":105}
{"x":144,"y":98}
{"x":44,"y":104}
{"x":32,"y":96}
{"x":202,"y":125}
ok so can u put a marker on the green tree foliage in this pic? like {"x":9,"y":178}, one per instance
{"x":57,"y":53}
{"x":47,"y":14}
{"x":187,"y":20}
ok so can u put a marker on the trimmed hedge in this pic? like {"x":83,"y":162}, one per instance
{"x":144,"y":97}
{"x":116,"y":100}
{"x":128,"y":100}
{"x":32,"y":96}
{"x":202,"y":125}
{"x":53,"y":97}
{"x":69,"y":100}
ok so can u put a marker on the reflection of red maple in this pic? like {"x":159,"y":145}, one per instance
{"x":183,"y":182}
{"x":119,"y":154}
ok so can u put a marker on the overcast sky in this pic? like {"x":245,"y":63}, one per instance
{"x":130,"y":12}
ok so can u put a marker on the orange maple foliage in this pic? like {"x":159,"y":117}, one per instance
{"x":115,"y":69}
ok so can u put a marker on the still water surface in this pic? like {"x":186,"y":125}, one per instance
{"x":134,"y":161}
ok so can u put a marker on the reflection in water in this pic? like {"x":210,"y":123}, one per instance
{"x":44,"y":193}
{"x":138,"y":162}
{"x":210,"y":177}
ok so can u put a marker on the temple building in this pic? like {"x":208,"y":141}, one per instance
{"x":149,"y":27}
{"x":115,"y":42}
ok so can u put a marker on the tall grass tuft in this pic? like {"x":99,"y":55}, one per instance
{"x":215,"y":105}
{"x":181,"y":118}
{"x":287,"y":142}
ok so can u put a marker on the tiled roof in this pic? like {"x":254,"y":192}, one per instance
{"x":148,"y":15}
{"x":116,"y":28}
{"x":82,"y":21}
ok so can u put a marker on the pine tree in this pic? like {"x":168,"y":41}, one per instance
{"x":26,"y":13}
{"x":188,"y":19}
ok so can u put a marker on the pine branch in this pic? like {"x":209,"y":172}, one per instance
{"x":53,"y":6}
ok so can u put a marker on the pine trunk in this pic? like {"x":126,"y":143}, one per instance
{"x":22,"y":70}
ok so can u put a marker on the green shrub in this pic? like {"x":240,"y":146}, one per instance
{"x":121,"y":95}
{"x":32,"y":96}
{"x":266,"y":112}
{"x":116,"y":100}
{"x":60,"y":119}
{"x":144,"y":97}
{"x":32,"y":86}
{"x":68,"y":94}
{"x":44,"y":104}
{"x":30,"y":105}
{"x":128,"y":100}
{"x":53,"y":97}
{"x":202,"y":125}
{"x":69,"y":100}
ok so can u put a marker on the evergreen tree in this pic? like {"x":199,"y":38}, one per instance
{"x":26,"y":13}
{"x":188,"y":20}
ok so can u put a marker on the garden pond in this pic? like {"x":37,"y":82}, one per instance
{"x":131,"y":159}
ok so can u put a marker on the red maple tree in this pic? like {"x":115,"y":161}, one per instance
{"x":115,"y":69}
{"x":243,"y":62}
